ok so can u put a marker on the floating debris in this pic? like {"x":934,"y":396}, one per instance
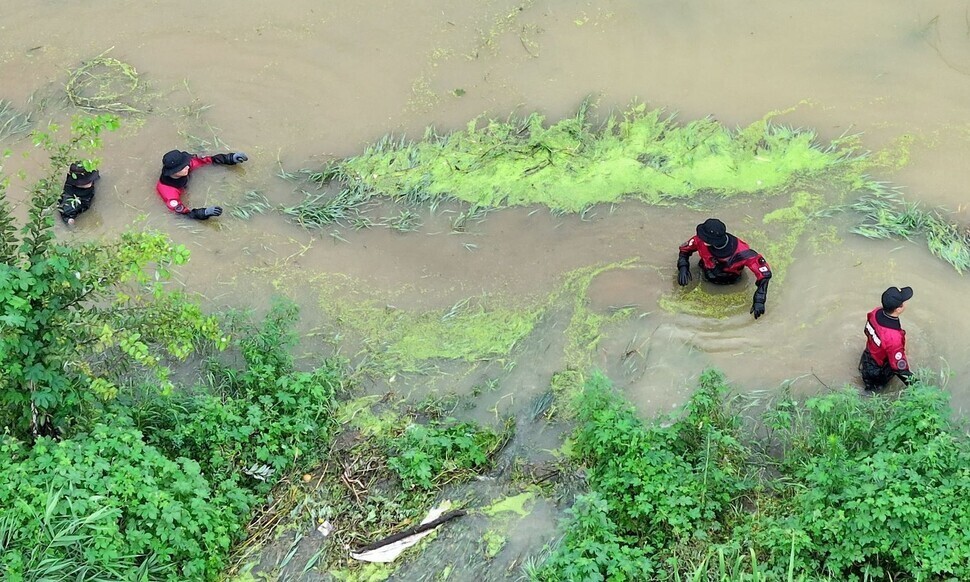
{"x":888,"y":216}
{"x":12,"y":121}
{"x":104,"y":84}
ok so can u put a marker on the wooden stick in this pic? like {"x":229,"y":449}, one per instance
{"x":412,"y":530}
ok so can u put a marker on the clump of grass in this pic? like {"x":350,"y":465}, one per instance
{"x":322,"y":209}
{"x":888,"y":216}
{"x":12,"y":121}
{"x":406,"y":221}
{"x":104,"y":84}
{"x":253,"y":203}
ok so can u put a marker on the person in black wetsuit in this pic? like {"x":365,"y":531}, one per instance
{"x":78,"y":192}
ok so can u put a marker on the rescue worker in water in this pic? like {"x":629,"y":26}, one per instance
{"x":885,"y":353}
{"x":174,"y":179}
{"x":723,"y":258}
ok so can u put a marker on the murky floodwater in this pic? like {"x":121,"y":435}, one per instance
{"x":298,"y":82}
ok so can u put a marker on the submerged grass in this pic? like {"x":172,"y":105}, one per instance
{"x":253,"y":203}
{"x":402,"y":340}
{"x":12,"y":121}
{"x":888,"y":216}
{"x":478,"y":328}
{"x":570,"y":166}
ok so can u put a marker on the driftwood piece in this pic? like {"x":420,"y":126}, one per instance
{"x":412,"y":531}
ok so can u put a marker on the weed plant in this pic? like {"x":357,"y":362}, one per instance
{"x":253,"y":203}
{"x":856,"y":489}
{"x":12,"y":121}
{"x":431,"y":455}
{"x":177,"y":476}
{"x":888,"y":216}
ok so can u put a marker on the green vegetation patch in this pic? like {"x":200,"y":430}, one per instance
{"x":841,"y":487}
{"x":889,"y":216}
{"x":473,"y":329}
{"x":514,"y":504}
{"x":476,"y":328}
{"x":569,"y":165}
{"x":586,"y":326}
{"x":428,"y":456}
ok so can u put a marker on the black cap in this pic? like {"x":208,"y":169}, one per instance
{"x":893,"y":297}
{"x":713,"y":232}
{"x":174,"y":161}
{"x":79,"y":176}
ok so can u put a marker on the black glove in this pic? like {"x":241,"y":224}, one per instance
{"x":205,"y":213}
{"x":760,"y":297}
{"x":683,"y":276}
{"x":683,"y":270}
{"x":230,"y":159}
{"x":758,"y":309}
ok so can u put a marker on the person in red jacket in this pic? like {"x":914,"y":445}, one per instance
{"x":885,"y":353}
{"x":723,"y":259}
{"x":176,"y":167}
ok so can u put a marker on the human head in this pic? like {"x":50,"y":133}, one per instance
{"x":79,"y":176}
{"x":713,"y":232}
{"x":894,"y":299}
{"x":174,"y":162}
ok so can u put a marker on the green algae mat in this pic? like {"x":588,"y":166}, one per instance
{"x":569,"y":165}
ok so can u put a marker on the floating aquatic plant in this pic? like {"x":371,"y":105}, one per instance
{"x":253,"y":203}
{"x":12,"y":121}
{"x":888,"y":216}
{"x":571,"y":166}
{"x":104,"y":84}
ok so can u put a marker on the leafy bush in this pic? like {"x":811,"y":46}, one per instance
{"x":884,"y":494}
{"x":861,"y":489}
{"x":71,"y":327}
{"x":106,"y":502}
{"x":256,"y":434}
{"x":654,"y":486}
{"x":167,"y":500}
{"x":429,"y":455}
{"x":594,"y":548}
{"x":268,"y":418}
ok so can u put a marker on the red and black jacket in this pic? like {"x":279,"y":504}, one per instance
{"x":886,"y":342}
{"x":171,"y":190}
{"x":725,"y":265}
{"x":732,"y":261}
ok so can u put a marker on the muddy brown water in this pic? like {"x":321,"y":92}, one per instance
{"x":302,"y":81}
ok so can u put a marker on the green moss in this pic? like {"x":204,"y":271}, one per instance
{"x":698,"y":301}
{"x":475,"y":329}
{"x":825,"y":238}
{"x":585,"y":326}
{"x":897,"y":155}
{"x":569,"y":166}
{"x":476,"y":334}
{"x":492,"y":543}
{"x":359,"y":415}
{"x":478,"y":328}
{"x":515,"y":504}
{"x":368,"y":572}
